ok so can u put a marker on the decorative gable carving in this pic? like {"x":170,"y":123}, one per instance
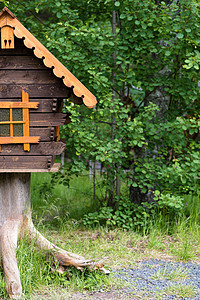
{"x":7,"y":37}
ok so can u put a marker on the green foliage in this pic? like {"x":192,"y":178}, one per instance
{"x":145,"y":127}
{"x":75,"y":205}
{"x":169,"y":203}
{"x":131,"y":216}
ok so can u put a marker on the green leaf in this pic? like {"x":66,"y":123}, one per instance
{"x":122,"y":16}
{"x":167,"y":53}
{"x":180,"y":35}
{"x":117,"y":3}
{"x":59,"y":15}
{"x":130,"y":18}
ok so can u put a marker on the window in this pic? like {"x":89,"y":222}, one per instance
{"x":14,"y":122}
{"x":11,"y":121}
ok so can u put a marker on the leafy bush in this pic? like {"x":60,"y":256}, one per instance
{"x":129,"y":215}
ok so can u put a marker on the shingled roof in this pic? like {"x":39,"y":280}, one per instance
{"x":7,"y":18}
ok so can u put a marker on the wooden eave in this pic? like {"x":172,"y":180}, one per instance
{"x":49,"y":60}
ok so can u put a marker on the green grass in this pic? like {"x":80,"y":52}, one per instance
{"x":37,"y":270}
{"x":115,"y":248}
{"x":192,"y":208}
{"x":57,"y":213}
{"x":66,"y":202}
{"x":181,"y":291}
{"x":177,"y":274}
{"x":62,"y":209}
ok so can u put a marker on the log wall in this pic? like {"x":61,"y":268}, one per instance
{"x":21,"y":70}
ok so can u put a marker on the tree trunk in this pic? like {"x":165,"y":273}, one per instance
{"x":14,"y":210}
{"x":111,"y":201}
{"x":15,"y":221}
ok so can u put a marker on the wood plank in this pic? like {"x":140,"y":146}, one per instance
{"x":28,"y":77}
{"x":17,"y":51}
{"x":11,"y":124}
{"x":43,"y":148}
{"x":55,"y":168}
{"x":25,"y":112}
{"x":25,"y":162}
{"x":34,"y":90}
{"x":19,"y":62}
{"x":57,"y":129}
{"x":44,"y":105}
{"x":46,"y":134}
{"x":47,"y":119}
{"x":19,"y":140}
{"x":19,"y":104}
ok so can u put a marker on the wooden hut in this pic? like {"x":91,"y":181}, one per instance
{"x":33,"y":84}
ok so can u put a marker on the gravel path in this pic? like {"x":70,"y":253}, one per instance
{"x":146,"y":280}
{"x":158,"y":279}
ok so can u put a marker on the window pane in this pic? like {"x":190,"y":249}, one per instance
{"x":4,"y":130}
{"x":17,"y":129}
{"x":17,"y":114}
{"x":4,"y":116}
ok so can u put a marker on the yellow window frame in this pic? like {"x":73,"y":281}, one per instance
{"x":26,"y":139}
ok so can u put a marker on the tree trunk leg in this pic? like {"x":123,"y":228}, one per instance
{"x":14,"y":208}
{"x":8,"y":244}
{"x":15,"y":221}
{"x":62,"y":257}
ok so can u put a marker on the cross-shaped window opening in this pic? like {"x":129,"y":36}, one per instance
{"x":11,"y":122}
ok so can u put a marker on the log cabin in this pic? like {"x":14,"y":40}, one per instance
{"x":33,"y":85}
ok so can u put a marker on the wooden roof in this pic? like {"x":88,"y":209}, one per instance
{"x":49,"y":60}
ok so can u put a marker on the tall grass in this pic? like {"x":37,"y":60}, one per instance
{"x":62,"y":202}
{"x":192,"y":208}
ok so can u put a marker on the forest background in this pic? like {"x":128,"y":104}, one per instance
{"x":141,"y":60}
